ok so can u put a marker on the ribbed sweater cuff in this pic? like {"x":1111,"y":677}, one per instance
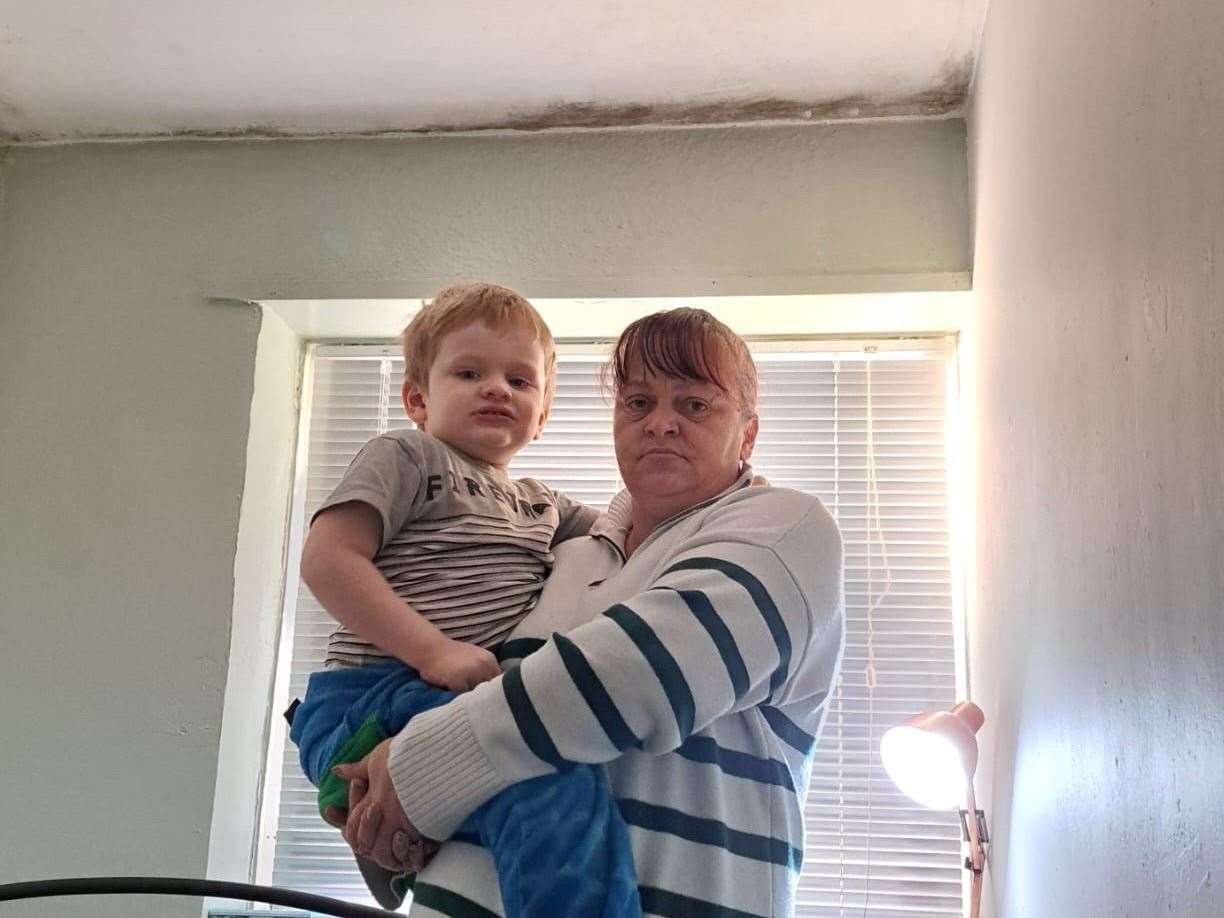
{"x":439,"y":770}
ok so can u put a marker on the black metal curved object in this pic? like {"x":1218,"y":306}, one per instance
{"x":186,"y":886}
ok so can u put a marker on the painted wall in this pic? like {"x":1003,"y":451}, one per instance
{"x":127,"y":395}
{"x":1098,"y":648}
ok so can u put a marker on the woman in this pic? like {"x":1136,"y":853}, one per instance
{"x":703,"y":628}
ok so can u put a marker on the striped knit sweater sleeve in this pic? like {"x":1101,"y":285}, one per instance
{"x":740,"y":611}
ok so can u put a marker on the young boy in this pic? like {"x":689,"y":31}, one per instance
{"x":428,"y":554}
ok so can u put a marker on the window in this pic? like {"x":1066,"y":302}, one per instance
{"x":863,"y":426}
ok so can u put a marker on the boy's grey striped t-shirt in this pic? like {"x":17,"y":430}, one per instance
{"x":462,"y":543}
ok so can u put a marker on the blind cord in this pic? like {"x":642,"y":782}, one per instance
{"x":873,"y":603}
{"x":841,"y":679}
{"x":384,"y":395}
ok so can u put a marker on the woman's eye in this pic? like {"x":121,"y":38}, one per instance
{"x":696,"y":406}
{"x":635,"y":403}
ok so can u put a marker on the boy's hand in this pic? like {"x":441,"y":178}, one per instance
{"x":459,"y":667}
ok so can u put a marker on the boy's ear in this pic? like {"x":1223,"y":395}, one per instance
{"x":414,"y":403}
{"x":540,"y":426}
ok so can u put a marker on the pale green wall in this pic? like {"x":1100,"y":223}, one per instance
{"x":126,"y":395}
{"x":1098,"y":650}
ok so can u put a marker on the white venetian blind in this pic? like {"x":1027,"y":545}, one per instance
{"x":863,"y":428}
{"x":866,"y":432}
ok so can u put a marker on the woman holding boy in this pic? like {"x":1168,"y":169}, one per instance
{"x":688,"y":644}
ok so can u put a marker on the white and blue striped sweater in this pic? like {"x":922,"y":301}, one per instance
{"x":697,"y":670}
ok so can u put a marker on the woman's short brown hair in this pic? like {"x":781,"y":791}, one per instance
{"x":690,"y":344}
{"x":463,"y":304}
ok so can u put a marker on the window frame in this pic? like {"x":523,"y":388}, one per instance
{"x":286,"y":326}
{"x":811,"y":345}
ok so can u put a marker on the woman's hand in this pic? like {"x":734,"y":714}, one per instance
{"x":376,"y":826}
{"x":458,"y":667}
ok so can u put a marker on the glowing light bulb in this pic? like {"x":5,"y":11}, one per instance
{"x":932,"y":756}
{"x":925,"y":766}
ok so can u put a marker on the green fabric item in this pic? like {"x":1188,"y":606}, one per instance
{"x":333,"y":790}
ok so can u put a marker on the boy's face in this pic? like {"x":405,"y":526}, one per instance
{"x":485,"y":395}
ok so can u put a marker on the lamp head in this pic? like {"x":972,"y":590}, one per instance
{"x":932,"y":756}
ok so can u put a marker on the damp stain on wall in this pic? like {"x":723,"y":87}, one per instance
{"x":945,"y":98}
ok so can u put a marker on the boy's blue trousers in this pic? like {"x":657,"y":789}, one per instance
{"x":559,"y":843}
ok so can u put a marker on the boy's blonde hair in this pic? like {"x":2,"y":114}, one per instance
{"x":462,"y":304}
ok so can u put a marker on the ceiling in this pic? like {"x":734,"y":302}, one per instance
{"x":71,"y":70}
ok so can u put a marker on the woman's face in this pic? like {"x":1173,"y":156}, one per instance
{"x":678,"y":441}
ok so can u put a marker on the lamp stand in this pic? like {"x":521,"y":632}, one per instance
{"x":973,"y":824}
